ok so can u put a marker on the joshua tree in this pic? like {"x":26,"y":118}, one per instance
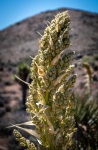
{"x":23,"y":72}
{"x":51,"y":96}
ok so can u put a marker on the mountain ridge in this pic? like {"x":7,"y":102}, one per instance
{"x":23,"y":37}
{"x":68,"y":8}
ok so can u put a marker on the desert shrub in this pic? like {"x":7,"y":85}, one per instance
{"x":86,"y":117}
{"x":88,"y":59}
{"x":96,"y":57}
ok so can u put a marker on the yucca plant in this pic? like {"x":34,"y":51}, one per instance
{"x":88,"y":76}
{"x":51,"y":96}
{"x":86,"y":115}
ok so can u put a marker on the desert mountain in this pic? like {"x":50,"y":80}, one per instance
{"x":20,"y":41}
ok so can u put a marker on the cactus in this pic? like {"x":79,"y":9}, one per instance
{"x":51,"y":96}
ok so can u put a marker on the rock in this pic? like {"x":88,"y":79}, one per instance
{"x":8,"y":108}
{"x":95,"y":66}
{"x":1,"y":103}
{"x":5,"y":99}
{"x":16,"y":98}
{"x":95,"y":78}
{"x":79,"y":56}
{"x":1,"y":68}
{"x":2,"y":111}
{"x":82,"y":85}
{"x":8,"y":82}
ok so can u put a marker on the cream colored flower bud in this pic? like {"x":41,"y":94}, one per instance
{"x":51,"y":98}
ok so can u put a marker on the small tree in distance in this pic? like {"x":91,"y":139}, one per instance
{"x":23,"y":72}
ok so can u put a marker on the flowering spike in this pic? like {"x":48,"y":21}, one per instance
{"x":52,"y":85}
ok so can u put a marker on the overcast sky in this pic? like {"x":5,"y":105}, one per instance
{"x":13,"y":11}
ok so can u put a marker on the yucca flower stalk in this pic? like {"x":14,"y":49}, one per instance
{"x":88,"y":77}
{"x":51,"y":96}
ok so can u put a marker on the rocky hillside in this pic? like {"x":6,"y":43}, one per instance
{"x":21,"y":40}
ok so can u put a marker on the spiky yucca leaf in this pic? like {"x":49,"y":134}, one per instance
{"x":86,"y":117}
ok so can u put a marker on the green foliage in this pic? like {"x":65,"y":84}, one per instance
{"x":86,"y":116}
{"x":88,"y":59}
{"x":23,"y":70}
{"x":96,"y":57}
